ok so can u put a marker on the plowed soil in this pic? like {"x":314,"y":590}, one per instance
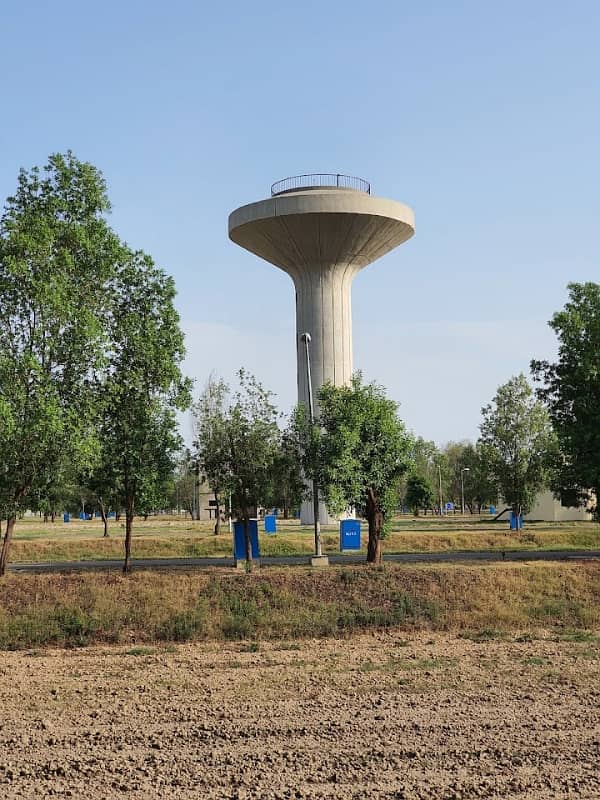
{"x":391,"y":715}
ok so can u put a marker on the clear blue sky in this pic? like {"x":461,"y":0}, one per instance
{"x":484,"y":117}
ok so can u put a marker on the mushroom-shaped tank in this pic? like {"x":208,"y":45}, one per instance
{"x":321,"y":230}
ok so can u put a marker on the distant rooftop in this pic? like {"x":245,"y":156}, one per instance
{"x":320,"y":180}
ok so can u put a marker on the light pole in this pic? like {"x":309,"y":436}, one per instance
{"x":305,"y":337}
{"x":462,"y":489}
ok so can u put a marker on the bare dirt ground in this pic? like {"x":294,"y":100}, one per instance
{"x":391,"y":715}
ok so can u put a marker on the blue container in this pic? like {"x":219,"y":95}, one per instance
{"x":81,"y":515}
{"x":270,"y":523}
{"x":349,"y":534}
{"x":66,"y":517}
{"x":516,"y":521}
{"x":239,"y":540}
{"x":111,"y":514}
{"x":493,"y":510}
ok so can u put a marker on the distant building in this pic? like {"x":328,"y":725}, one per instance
{"x":548,"y":509}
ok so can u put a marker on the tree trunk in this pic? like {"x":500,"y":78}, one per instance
{"x":247,"y":541}
{"x":53,"y":516}
{"x":10,"y":526}
{"x":118,"y":515}
{"x":45,"y":517}
{"x":128,"y":527}
{"x":217,"y":515}
{"x":104,"y":517}
{"x":375,"y":520}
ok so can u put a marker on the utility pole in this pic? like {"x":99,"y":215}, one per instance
{"x":318,"y":559}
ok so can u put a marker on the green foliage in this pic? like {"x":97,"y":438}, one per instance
{"x":571,"y":392}
{"x":517,"y":442}
{"x":480,"y":488}
{"x":212,"y":441}
{"x":58,"y":258}
{"x":362,"y":452}
{"x":142,"y":388}
{"x":252,"y":437}
{"x":419,"y":493}
{"x":363,"y":447}
{"x":288,"y":486}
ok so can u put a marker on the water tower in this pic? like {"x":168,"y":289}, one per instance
{"x":322,"y":229}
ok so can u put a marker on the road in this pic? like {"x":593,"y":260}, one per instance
{"x":277,"y":561}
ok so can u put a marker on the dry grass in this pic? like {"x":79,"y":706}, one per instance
{"x":172,"y":537}
{"x":287,"y":604}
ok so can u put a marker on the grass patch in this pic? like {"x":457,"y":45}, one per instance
{"x":578,"y":636}
{"x":479,"y":602}
{"x":485,"y":635}
{"x":140,"y":651}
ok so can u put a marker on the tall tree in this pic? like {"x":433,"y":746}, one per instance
{"x":519,"y":443}
{"x":571,"y":392}
{"x":480,"y":488}
{"x":143,"y":386}
{"x":252,"y":437}
{"x":288,"y":485}
{"x":209,"y":415}
{"x":363,"y":452}
{"x":57,"y":259}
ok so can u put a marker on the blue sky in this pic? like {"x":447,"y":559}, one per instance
{"x":484,"y":117}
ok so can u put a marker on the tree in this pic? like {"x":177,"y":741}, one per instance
{"x":288,"y":485}
{"x":252,"y":437}
{"x":212,"y":444}
{"x":143,"y":387}
{"x":571,"y":392}
{"x":363,"y":450}
{"x":518,"y":442}
{"x":57,"y":258}
{"x":183,"y":493}
{"x":419,"y":493}
{"x":480,"y":488}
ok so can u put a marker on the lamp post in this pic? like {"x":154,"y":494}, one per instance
{"x":305,"y":337}
{"x":462,"y":489}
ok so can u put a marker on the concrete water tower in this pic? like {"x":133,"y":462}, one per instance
{"x":322,"y":229}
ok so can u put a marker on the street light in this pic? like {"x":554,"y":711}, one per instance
{"x":462,"y":488}
{"x":305,"y":337}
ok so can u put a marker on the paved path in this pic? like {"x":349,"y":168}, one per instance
{"x":275,"y":561}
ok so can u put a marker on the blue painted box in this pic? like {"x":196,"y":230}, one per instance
{"x":349,"y":534}
{"x":239,"y":540}
{"x":270,"y":523}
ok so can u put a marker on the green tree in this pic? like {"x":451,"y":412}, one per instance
{"x":518,"y":442}
{"x":363,"y":452}
{"x":252,"y":436}
{"x":143,"y":387}
{"x":183,"y":493}
{"x":480,"y":488}
{"x":571,"y":392}
{"x":288,"y":485}
{"x":212,"y":443}
{"x":419,"y":493}
{"x":57,"y":259}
